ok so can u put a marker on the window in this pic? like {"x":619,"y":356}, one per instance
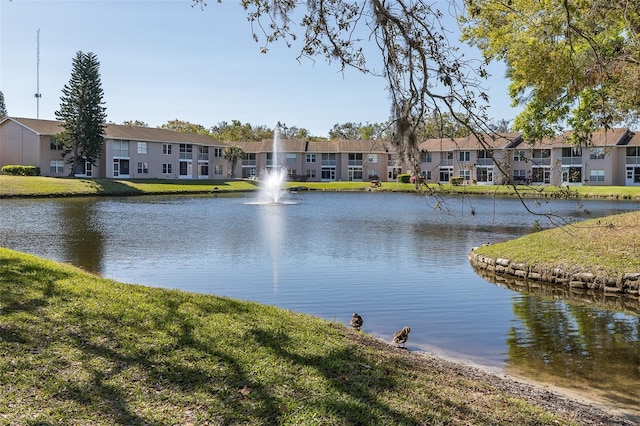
{"x":311,"y":158}
{"x":537,"y":175}
{"x":427,"y":157}
{"x":328,"y":159}
{"x":120,"y":167}
{"x":572,"y":174}
{"x":596,"y":154}
{"x":328,"y":174}
{"x":426,"y":174}
{"x":166,"y":148}
{"x":355,"y":174}
{"x":311,"y":174}
{"x":186,"y":151}
{"x":217,"y":170}
{"x":56,"y":145}
{"x":143,"y":168}
{"x":250,"y":159}
{"x":484,"y":174}
{"x":121,"y":148}
{"x":519,"y":156}
{"x":291,"y":158}
{"x":373,"y":158}
{"x":519,"y":175}
{"x":633,"y":151}
{"x":355,"y":159}
{"x":217,"y":152}
{"x":596,"y":176}
{"x":572,"y":152}
{"x":372,"y":174}
{"x":166,"y":168}
{"x":56,"y":166}
{"x":203,"y":153}
{"x":204,"y":169}
{"x":464,"y":156}
{"x":541,"y":153}
{"x":465,"y":175}
{"x":142,"y":147}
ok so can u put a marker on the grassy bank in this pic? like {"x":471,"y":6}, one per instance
{"x":608,"y":246}
{"x":38,"y":186}
{"x":78,"y":349}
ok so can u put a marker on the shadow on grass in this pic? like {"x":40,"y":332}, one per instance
{"x":112,"y":187}
{"x":352,"y":376}
{"x":135,"y":355}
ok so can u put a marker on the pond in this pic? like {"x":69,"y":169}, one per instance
{"x":396,"y":259}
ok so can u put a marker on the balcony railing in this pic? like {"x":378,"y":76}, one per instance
{"x":329,"y":162}
{"x":542,"y":161}
{"x":248,"y":162}
{"x":633,"y":159}
{"x":571,"y":160}
{"x":485,"y":162}
{"x":446,"y":163}
{"x":355,"y":162}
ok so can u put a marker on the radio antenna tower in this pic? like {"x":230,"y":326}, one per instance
{"x":38,"y":95}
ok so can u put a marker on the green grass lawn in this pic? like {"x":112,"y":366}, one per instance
{"x":79,"y":349}
{"x":607,"y":246}
{"x":38,"y":186}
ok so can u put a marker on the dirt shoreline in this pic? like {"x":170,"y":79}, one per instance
{"x":572,"y":405}
{"x":581,"y":408}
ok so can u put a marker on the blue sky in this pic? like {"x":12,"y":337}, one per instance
{"x":165,"y":60}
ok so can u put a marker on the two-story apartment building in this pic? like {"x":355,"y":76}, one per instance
{"x":129,"y":151}
{"x":483,"y":162}
{"x":611,"y":158}
{"x":318,"y":161}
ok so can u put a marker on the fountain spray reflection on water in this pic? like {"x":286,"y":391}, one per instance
{"x":272,"y":188}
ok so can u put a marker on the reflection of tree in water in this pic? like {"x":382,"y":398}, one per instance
{"x":581,"y":347}
{"x":83,"y":241}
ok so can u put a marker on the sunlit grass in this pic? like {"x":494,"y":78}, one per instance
{"x":38,"y":186}
{"x":608,"y":246}
{"x":78,"y":349}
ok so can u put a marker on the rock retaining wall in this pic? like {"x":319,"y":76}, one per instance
{"x":625,"y":284}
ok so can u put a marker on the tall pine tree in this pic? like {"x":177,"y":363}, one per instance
{"x":3,"y":107}
{"x":82,"y":113}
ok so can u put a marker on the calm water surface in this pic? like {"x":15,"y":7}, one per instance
{"x":396,"y":259}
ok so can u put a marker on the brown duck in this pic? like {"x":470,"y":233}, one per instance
{"x":356,"y":321}
{"x":400,"y":337}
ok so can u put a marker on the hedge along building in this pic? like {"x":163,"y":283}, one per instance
{"x":128,"y":152}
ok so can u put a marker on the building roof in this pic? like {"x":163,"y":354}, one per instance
{"x":472,"y":142}
{"x":120,"y":131}
{"x":303,"y":145}
{"x":634,"y":139}
{"x":599,"y":138}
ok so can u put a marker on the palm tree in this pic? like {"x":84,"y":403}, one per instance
{"x":233,"y":154}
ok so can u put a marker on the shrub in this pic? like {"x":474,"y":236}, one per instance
{"x":15,"y":170}
{"x":404,"y":178}
{"x":456,"y":180}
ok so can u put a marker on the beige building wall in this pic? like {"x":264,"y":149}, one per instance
{"x":20,"y":146}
